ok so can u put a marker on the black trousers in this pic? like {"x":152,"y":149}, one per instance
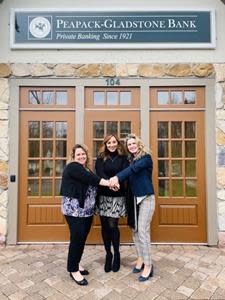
{"x":79,"y":229}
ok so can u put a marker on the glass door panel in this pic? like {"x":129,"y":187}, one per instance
{"x":45,"y":144}
{"x":177,"y":142}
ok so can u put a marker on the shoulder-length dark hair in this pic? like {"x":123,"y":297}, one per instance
{"x":103,"y":150}
{"x":84,"y":148}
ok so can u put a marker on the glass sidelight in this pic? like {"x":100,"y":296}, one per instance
{"x":47,"y":154}
{"x":177,"y":175}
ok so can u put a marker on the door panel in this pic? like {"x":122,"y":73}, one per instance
{"x":46,"y":140}
{"x":177,"y":141}
{"x":98,"y":125}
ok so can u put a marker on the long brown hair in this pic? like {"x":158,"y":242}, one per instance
{"x":84,"y":148}
{"x":103,"y":150}
{"x":142,"y":149}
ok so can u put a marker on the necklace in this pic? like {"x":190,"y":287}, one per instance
{"x":113,"y":158}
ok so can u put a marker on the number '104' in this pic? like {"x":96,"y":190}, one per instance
{"x":112,"y":81}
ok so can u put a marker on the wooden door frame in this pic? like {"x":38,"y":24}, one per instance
{"x":143,"y":84}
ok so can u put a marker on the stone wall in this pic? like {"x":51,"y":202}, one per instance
{"x":4,"y":157}
{"x":110,"y":70}
{"x":105,"y":70}
{"x":220,"y":143}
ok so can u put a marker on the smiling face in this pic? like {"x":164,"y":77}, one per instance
{"x":112,"y":144}
{"x":80,"y":156}
{"x":132,"y":146}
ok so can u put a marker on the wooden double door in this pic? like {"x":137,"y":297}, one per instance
{"x":46,"y":139}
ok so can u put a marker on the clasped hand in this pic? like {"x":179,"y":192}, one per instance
{"x":114,"y":183}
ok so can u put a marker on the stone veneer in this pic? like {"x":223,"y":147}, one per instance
{"x":21,"y":70}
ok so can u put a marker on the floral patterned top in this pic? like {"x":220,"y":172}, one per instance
{"x":70,"y":206}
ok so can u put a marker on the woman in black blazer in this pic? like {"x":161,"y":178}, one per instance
{"x":78,"y":191}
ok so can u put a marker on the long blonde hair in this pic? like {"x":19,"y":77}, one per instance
{"x":142,"y":149}
{"x":84,"y":148}
{"x":104,"y":152}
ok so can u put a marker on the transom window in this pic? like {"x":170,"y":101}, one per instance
{"x":50,"y":97}
{"x":112,"y":97}
{"x":177,"y":97}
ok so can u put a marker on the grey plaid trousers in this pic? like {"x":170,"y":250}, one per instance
{"x":141,"y":236}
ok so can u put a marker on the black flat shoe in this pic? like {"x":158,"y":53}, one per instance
{"x":108,"y":262}
{"x":136,"y":270}
{"x":84,"y":272}
{"x":143,"y":278}
{"x":116,"y":262}
{"x":81,"y":282}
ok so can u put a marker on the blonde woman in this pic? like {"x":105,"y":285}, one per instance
{"x":78,"y":191}
{"x":139,"y":174}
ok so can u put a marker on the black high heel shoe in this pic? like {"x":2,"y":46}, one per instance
{"x":79,"y":282}
{"x":143,"y":278}
{"x":84,"y":272}
{"x":137,"y":270}
{"x":108,"y":262}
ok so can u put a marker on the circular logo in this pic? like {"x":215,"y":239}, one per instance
{"x":40,"y":27}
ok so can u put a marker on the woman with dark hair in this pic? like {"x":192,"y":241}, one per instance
{"x":111,"y":203}
{"x":78,"y":190}
{"x":139,"y":174}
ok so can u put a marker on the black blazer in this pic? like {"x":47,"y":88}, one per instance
{"x":76,"y":180}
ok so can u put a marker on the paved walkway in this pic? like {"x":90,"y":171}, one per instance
{"x":181,"y":272}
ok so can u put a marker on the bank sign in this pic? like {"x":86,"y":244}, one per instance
{"x":112,"y":29}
